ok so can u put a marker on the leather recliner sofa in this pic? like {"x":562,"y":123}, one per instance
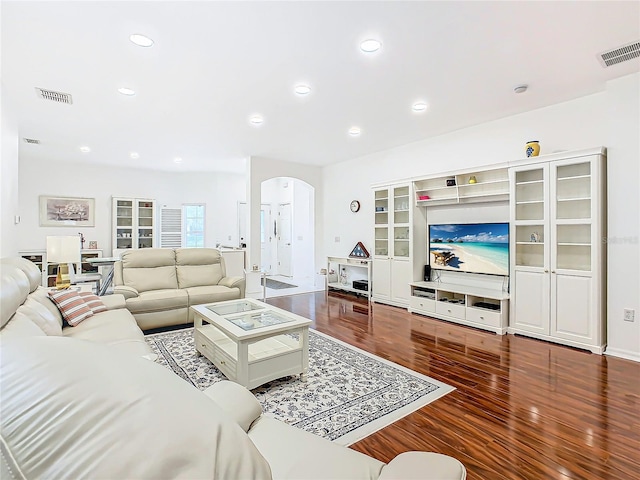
{"x":86,"y":402}
{"x":137,"y":419}
{"x":160,"y":284}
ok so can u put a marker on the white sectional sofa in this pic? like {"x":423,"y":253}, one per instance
{"x":89,"y":403}
{"x":27,"y":310}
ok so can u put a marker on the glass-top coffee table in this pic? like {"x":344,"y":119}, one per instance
{"x":252,"y":342}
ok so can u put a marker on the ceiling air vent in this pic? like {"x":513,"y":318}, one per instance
{"x":58,"y":97}
{"x":32,"y":141}
{"x":620,"y":54}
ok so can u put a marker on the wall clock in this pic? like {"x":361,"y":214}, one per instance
{"x":354,"y":206}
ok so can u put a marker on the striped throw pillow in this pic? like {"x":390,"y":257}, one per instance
{"x":71,"y":305}
{"x":93,"y":302}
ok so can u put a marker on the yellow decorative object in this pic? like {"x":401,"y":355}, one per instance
{"x":472,"y":179}
{"x":533,"y":148}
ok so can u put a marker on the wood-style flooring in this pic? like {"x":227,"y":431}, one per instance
{"x":522,"y":408}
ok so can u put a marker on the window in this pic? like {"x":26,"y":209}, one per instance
{"x":193,"y":225}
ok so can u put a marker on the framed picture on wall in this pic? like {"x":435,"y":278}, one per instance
{"x":67,"y":211}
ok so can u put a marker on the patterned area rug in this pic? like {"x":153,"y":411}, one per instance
{"x":349,"y":393}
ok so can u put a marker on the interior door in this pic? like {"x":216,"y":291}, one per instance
{"x":284,"y":239}
{"x":266,"y":237}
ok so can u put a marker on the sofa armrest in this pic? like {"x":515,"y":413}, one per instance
{"x":236,"y":401}
{"x":423,"y":465}
{"x":114,"y":301}
{"x":234,"y":282}
{"x":126,"y":292}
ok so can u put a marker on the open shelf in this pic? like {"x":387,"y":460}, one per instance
{"x":490,"y":185}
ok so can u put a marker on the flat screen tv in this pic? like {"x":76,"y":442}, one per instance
{"x":470,"y":247}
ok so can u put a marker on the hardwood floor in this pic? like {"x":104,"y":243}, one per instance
{"x":522,"y":408}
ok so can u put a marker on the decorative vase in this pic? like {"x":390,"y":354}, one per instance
{"x":472,"y":179}
{"x":533,"y":148}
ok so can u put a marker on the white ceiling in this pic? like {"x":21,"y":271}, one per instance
{"x":216,"y":63}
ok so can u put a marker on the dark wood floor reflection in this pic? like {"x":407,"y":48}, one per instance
{"x":522,"y":408}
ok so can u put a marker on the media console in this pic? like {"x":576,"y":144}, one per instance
{"x":467,"y":305}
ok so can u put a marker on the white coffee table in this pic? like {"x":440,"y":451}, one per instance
{"x":252,"y":342}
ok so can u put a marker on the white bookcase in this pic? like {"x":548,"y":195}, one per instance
{"x":134,"y":222}
{"x":557,"y":249}
{"x":398,"y":227}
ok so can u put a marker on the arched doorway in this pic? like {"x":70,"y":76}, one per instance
{"x":287,"y":229}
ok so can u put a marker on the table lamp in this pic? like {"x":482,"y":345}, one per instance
{"x":63,"y":250}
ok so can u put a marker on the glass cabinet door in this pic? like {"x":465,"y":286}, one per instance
{"x":145,"y":224}
{"x":381,"y":198}
{"x":124,"y":223}
{"x":573,"y":214}
{"x":401,"y":222}
{"x":530,"y":217}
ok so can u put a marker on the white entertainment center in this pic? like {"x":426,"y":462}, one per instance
{"x":486,"y":308}
{"x":555,"y":286}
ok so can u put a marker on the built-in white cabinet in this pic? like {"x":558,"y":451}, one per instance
{"x":133,"y":223}
{"x":397,"y":227}
{"x":557,"y":250}
{"x":480,"y":307}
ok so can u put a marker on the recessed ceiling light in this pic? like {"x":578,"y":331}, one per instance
{"x":177,"y":160}
{"x":419,"y":107}
{"x":520,"y":88}
{"x":134,"y":155}
{"x":302,"y":89}
{"x":141,"y":40}
{"x":85,"y":149}
{"x":256,"y":120}
{"x":354,"y":131}
{"x":370,"y":45}
{"x":126,"y":91}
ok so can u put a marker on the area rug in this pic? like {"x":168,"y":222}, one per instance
{"x":349,"y":393}
{"x":276,"y":284}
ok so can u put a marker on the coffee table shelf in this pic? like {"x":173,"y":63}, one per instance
{"x":259,"y":354}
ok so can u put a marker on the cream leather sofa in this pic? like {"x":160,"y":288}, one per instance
{"x":26,"y":311}
{"x":86,"y":402}
{"x":72,"y":409}
{"x":160,"y":284}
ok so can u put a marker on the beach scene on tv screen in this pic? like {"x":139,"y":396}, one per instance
{"x":473,"y":248}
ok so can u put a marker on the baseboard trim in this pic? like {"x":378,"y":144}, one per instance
{"x":626,"y":354}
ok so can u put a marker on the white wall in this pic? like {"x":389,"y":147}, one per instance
{"x":607,"y":119}
{"x":9,"y":206}
{"x":572,"y":125}
{"x":623,"y":170}
{"x":219,"y":191}
{"x":303,"y":231}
